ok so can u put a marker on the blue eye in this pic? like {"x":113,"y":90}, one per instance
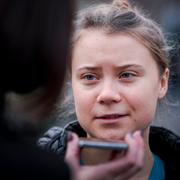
{"x":127,"y":75}
{"x":89,"y":77}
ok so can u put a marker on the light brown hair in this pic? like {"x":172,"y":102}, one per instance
{"x":121,"y":16}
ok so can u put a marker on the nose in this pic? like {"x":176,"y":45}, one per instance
{"x":109,"y":94}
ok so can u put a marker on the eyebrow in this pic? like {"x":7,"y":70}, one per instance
{"x":131,"y":66}
{"x":88,"y":68}
{"x":126,"y":66}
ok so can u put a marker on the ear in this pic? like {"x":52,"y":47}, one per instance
{"x":164,"y":79}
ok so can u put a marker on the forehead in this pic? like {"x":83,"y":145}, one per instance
{"x":97,"y":44}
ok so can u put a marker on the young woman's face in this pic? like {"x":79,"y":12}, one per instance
{"x":116,"y":84}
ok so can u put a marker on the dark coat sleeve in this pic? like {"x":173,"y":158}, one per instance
{"x":54,"y":140}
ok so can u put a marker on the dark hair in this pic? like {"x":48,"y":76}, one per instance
{"x":34,"y":36}
{"x":34,"y":41}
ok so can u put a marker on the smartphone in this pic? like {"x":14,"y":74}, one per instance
{"x":108,"y":145}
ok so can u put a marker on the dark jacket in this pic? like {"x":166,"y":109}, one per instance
{"x":163,"y":143}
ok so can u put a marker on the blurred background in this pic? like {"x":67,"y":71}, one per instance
{"x":166,"y":13}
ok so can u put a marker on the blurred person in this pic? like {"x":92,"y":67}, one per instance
{"x":34,"y":54}
{"x":30,"y":33}
{"x":119,"y":73}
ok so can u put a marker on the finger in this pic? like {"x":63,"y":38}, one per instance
{"x":136,"y":155}
{"x":111,"y":171}
{"x":141,"y":147}
{"x":72,"y":153}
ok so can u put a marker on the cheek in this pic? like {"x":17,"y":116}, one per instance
{"x":83,"y":104}
{"x":83,"y":110}
{"x":144,"y":105}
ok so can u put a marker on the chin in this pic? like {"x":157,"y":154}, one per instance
{"x":112,"y":136}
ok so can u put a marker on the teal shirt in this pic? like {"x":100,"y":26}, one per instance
{"x":157,"y":172}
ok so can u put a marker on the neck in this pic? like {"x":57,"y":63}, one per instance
{"x":92,"y":156}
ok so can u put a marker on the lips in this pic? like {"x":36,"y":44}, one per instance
{"x":111,"y":116}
